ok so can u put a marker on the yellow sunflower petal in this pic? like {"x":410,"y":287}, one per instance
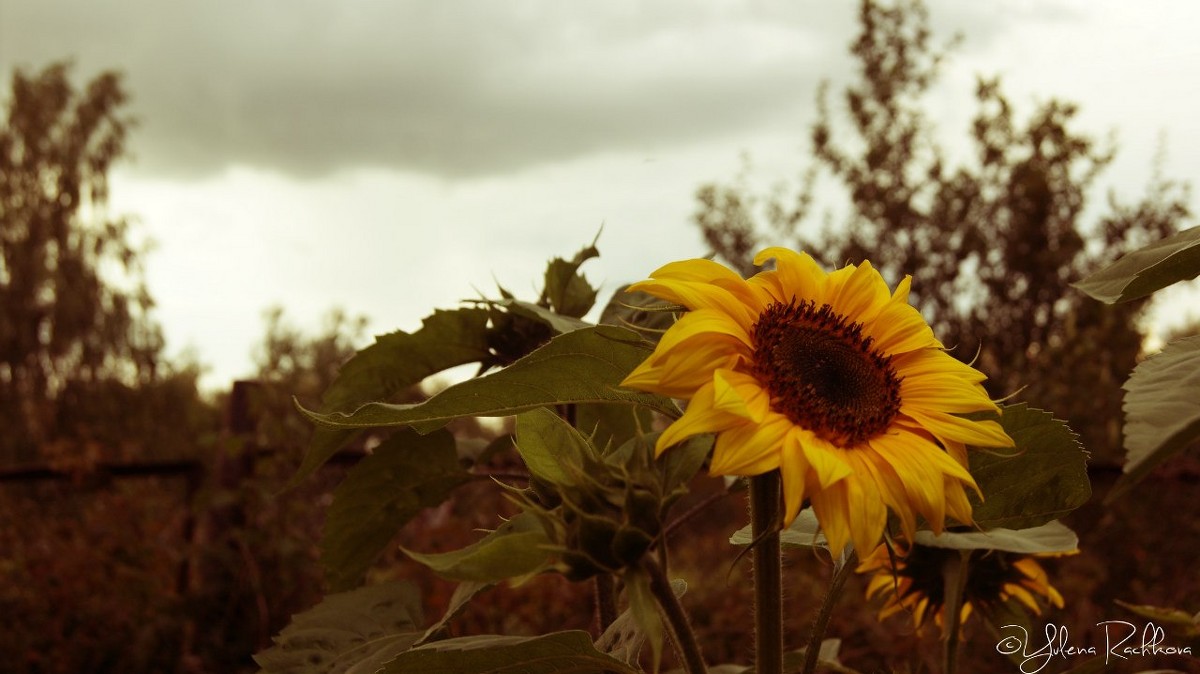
{"x":899,"y":328}
{"x":957,"y":505}
{"x":702,"y":322}
{"x":680,"y":371}
{"x":741,"y":394}
{"x":707,"y":271}
{"x":699,"y":417}
{"x":796,"y":275}
{"x":749,"y":448}
{"x":831,"y":509}
{"x":974,"y":433}
{"x":793,"y":468}
{"x":861,"y":293}
{"x":867,"y":513}
{"x":699,"y":296}
{"x":900,"y":294}
{"x":824,"y":459}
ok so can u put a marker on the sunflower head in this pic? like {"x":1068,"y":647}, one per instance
{"x":912,"y":580}
{"x":831,"y":378}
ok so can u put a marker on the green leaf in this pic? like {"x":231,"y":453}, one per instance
{"x":555,"y":653}
{"x":517,"y":548}
{"x":1043,"y":478}
{"x":804,"y":532}
{"x":463,"y":594}
{"x":348,"y":633}
{"x":557,"y":322}
{"x":1162,"y":410}
{"x":393,"y":363}
{"x":578,"y":367}
{"x":551,"y":448}
{"x":1137,"y":274}
{"x":644,"y":609}
{"x":405,"y":474}
{"x":1049,"y":538}
{"x":566,"y":291}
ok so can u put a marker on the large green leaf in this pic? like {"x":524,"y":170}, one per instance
{"x":551,"y":448}
{"x":1162,"y":410}
{"x":555,"y":653}
{"x":1043,"y":478}
{"x":1137,"y":274}
{"x":1049,"y":538}
{"x":348,"y":633}
{"x":517,"y":548}
{"x":384,"y":491}
{"x":393,"y":363}
{"x":583,"y":366}
{"x":400,"y":359}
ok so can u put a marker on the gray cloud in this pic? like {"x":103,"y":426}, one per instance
{"x":466,"y":88}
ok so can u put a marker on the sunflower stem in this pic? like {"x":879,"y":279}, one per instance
{"x":606,"y":601}
{"x":955,"y":579}
{"x":826,"y":612}
{"x":768,"y":573}
{"x":677,"y":620}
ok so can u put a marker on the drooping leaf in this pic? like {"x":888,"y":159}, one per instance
{"x":1187,"y":626}
{"x":1041,"y":479}
{"x":348,"y":633}
{"x":558,"y":322}
{"x":405,"y":474}
{"x":804,"y":532}
{"x":463,"y":594}
{"x":583,"y":366}
{"x":1137,"y":274}
{"x":566,"y":291}
{"x":393,"y":363}
{"x":1162,"y":410}
{"x":517,"y":548}
{"x":551,"y":448}
{"x":1049,"y":538}
{"x":555,"y":653}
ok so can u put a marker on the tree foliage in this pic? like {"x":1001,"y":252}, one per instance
{"x":992,"y":244}
{"x":73,"y":305}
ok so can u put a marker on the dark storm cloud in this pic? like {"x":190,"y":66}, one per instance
{"x":452,"y":88}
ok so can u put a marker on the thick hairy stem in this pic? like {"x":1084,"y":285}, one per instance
{"x":768,"y":573}
{"x":681,"y":629}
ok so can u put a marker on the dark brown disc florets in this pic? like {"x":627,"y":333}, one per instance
{"x":823,"y":374}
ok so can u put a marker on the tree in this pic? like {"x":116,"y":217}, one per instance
{"x":73,"y":304}
{"x":992,"y":245}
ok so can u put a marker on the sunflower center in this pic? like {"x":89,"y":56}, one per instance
{"x":985,"y":583}
{"x":823,"y":374}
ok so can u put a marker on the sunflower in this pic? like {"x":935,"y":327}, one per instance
{"x":915,"y":582}
{"x":830,"y":378}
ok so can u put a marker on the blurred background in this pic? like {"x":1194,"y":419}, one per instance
{"x":206,"y":208}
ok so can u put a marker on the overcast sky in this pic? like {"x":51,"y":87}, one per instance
{"x":390,"y":158}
